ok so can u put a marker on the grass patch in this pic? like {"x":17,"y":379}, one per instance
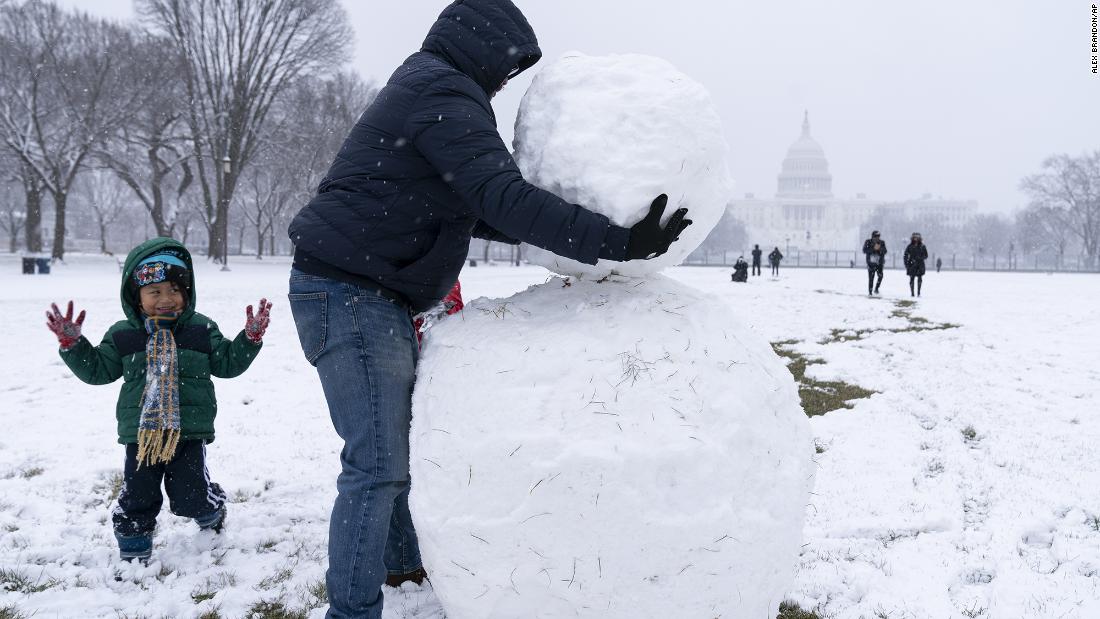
{"x":34,"y":471}
{"x":17,"y":580}
{"x":818,"y":396}
{"x":316,"y":595}
{"x":790,"y":610}
{"x":917,"y":324}
{"x":274,"y":609}
{"x":106,"y":490}
{"x":11,"y":612}
{"x":280,"y":576}
{"x":211,"y":614}
{"x":211,"y":586}
{"x":969,"y":434}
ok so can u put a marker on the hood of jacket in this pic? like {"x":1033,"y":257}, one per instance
{"x":488,"y":40}
{"x":157,"y":245}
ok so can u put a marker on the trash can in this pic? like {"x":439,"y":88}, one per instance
{"x":28,"y":266}
{"x":43,"y":265}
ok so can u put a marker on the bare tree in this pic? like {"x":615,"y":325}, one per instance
{"x":149,"y":152}
{"x":11,"y":212}
{"x":728,"y":235}
{"x":988,"y":234}
{"x":309,"y":125}
{"x":1041,"y":228}
{"x":1069,"y":191}
{"x":105,"y":198}
{"x":266,"y":196}
{"x":62,"y":92}
{"x":238,"y":57}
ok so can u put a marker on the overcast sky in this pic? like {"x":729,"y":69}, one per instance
{"x":959,"y":99}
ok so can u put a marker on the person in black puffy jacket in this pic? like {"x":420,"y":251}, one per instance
{"x":421,"y":172}
{"x":915,"y":255}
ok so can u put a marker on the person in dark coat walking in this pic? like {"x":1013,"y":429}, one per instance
{"x":421,"y":172}
{"x":939,"y":263}
{"x":756,"y":253}
{"x":774,"y":258}
{"x":874,"y":249}
{"x":915,"y":255}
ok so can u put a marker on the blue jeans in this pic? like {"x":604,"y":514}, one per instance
{"x":365,"y":352}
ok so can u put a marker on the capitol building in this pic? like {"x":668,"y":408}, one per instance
{"x":804,"y":215}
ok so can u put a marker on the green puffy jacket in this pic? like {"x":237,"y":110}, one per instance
{"x":201,"y":351}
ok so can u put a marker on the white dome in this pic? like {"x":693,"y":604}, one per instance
{"x":805,"y":171}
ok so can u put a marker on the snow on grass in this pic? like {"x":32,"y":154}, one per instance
{"x":964,"y":486}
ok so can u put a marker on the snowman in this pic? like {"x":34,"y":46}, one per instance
{"x":611,"y":443}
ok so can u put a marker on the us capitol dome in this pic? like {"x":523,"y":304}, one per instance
{"x":805,"y":216}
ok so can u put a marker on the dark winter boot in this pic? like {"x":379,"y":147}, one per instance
{"x":214,"y":522}
{"x":139,"y":547}
{"x":416,"y":576}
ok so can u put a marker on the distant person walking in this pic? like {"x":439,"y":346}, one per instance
{"x":915,"y":255}
{"x":939,"y":263}
{"x":756,"y":253}
{"x":773,"y":259}
{"x":874,"y":249}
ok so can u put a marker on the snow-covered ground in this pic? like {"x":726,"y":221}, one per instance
{"x":966,"y":486}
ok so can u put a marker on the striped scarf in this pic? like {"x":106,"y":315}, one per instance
{"x":159,"y":427}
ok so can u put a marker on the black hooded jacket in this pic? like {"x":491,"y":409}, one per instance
{"x":876,"y":259}
{"x":424,"y":169}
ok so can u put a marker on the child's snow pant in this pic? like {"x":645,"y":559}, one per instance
{"x":191,"y":494}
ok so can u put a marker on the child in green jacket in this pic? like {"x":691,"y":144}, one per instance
{"x":165,"y":353}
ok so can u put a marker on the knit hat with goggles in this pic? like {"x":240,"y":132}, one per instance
{"x":162,"y":267}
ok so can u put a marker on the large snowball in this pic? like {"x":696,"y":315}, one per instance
{"x":626,"y":449}
{"x":613,"y":132}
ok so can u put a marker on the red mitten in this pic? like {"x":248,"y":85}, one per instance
{"x":255,"y":326}
{"x":453,"y":301}
{"x":64,"y":327}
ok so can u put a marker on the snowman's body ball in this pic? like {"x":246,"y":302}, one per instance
{"x":625,"y":449}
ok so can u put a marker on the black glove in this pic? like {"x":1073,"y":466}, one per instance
{"x":648,"y":239}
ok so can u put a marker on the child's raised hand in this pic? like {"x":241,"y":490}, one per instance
{"x":255,"y":326}
{"x":64,"y":327}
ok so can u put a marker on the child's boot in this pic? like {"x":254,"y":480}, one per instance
{"x":138,"y":547}
{"x":214,"y":522}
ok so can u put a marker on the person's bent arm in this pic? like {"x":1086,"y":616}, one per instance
{"x":458,"y":136}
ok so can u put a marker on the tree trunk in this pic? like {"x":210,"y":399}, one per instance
{"x":219,"y":231}
{"x":486,"y":260}
{"x":103,"y":238}
{"x":259,"y":243}
{"x":32,"y":226}
{"x":60,"y":199}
